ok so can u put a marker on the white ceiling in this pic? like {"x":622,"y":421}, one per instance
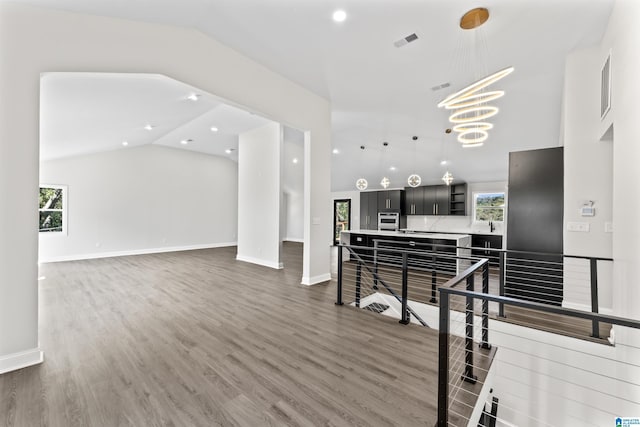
{"x":381,"y":93}
{"x":84,"y":113}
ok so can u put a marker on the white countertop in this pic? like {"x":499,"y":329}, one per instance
{"x":449,"y":236}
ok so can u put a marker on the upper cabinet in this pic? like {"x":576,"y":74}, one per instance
{"x":390,"y":200}
{"x":414,"y":201}
{"x":436,"y":200}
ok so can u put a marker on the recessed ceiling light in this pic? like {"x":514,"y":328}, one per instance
{"x":229,"y":150}
{"x":295,"y":160}
{"x":185,"y":141}
{"x":149,"y":127}
{"x":444,"y":162}
{"x":125,"y":143}
{"x":392,"y":168}
{"x":214,"y":129}
{"x":336,"y":151}
{"x":193,"y":97}
{"x":339,"y":15}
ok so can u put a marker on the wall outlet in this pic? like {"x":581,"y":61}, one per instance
{"x":578,"y":226}
{"x":608,"y":227}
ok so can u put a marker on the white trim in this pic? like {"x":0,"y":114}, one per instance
{"x":293,"y":239}
{"x":265,"y":263}
{"x":321,"y":278}
{"x":79,"y":257}
{"x":23,"y":359}
{"x":585,"y":307}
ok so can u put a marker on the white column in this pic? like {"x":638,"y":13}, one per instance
{"x":260,"y":196}
{"x":317,"y":208}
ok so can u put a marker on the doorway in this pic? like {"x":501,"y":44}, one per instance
{"x":341,"y":218}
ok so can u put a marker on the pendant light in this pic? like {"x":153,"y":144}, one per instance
{"x":469,"y":105}
{"x":361,"y":183}
{"x":414,"y":179}
{"x":385,"y":182}
{"x":447,"y":177}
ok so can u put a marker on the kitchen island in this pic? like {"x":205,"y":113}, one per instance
{"x":445,"y":244}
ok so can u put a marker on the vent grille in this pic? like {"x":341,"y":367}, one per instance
{"x":404,"y":41}
{"x":605,"y":88}
{"x":442,"y":86}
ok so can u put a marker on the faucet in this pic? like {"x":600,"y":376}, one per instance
{"x":492,"y":227}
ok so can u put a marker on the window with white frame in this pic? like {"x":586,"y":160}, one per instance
{"x":52,"y":209}
{"x":488,"y":206}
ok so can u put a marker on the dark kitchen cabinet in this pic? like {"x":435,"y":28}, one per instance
{"x":436,"y":200}
{"x":426,"y":252}
{"x":414,"y":201}
{"x":390,"y":200}
{"x":361,"y":240}
{"x":483,"y":243}
{"x":369,"y":210}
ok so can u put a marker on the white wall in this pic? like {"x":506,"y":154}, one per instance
{"x":601,"y":170}
{"x":293,"y":184}
{"x":294,"y":217}
{"x":622,"y":39}
{"x":566,"y":384}
{"x":35,"y":40}
{"x":588,"y":162}
{"x":142,"y":199}
{"x":260,"y":195}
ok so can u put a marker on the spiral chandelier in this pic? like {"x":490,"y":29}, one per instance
{"x":470,"y":105}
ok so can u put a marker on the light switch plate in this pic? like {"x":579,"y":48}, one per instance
{"x":578,"y":226}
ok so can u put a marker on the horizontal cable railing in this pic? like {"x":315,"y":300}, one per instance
{"x":535,"y":276}
{"x":400,"y":279}
{"x":528,"y":365}
{"x":353,"y":279}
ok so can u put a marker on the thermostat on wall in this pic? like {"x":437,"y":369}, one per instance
{"x":588,"y":209}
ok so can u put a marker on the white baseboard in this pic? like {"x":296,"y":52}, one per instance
{"x":252,"y":260}
{"x":15,"y":361}
{"x":293,"y":239}
{"x":79,"y":257}
{"x":585,"y":307}
{"x":308,"y":281}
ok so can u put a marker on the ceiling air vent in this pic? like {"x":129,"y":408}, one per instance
{"x":410,"y":38}
{"x":442,"y":86}
{"x":605,"y":88}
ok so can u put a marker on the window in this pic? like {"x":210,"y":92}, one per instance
{"x":488,"y":207}
{"x":52,"y":209}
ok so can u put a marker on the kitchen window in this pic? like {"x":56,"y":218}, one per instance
{"x":488,"y":207}
{"x":53,"y":209}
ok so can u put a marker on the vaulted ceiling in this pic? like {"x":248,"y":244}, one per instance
{"x":379,"y":92}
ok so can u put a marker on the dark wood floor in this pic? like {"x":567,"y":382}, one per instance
{"x":198,"y":338}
